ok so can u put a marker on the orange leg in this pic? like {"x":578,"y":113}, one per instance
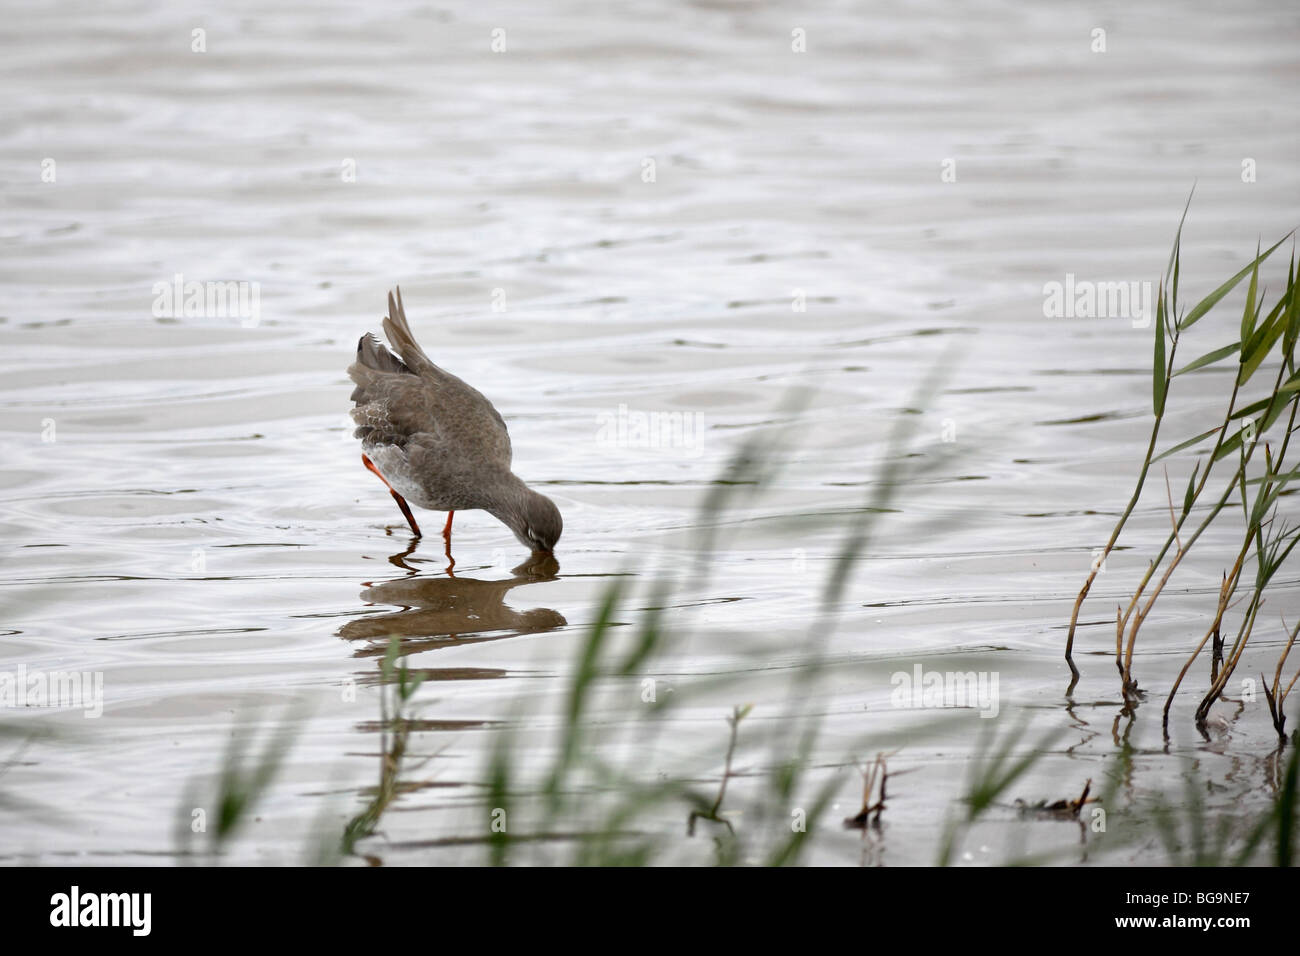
{"x":446,"y":530}
{"x":401,"y":502}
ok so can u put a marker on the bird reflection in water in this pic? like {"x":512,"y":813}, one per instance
{"x":448,"y":611}
{"x":436,"y":611}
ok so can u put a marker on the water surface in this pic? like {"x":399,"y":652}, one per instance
{"x":184,"y":509}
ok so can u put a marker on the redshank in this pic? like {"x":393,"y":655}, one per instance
{"x":436,"y":441}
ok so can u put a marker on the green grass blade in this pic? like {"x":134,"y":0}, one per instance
{"x":1190,"y":496}
{"x":1230,"y":445}
{"x":1175,"y":254}
{"x":1159,"y":382}
{"x":1248,"y":315}
{"x":1210,"y":301}
{"x":1209,"y":358}
{"x":1292,"y":311}
{"x":1259,"y":347}
{"x":1186,"y":444}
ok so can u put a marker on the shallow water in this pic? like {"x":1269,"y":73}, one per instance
{"x":184,"y":507}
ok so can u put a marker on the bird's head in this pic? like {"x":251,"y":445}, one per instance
{"x":537,"y":522}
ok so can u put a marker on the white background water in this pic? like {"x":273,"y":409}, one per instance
{"x":200,"y":531}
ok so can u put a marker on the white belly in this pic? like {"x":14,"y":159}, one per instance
{"x":396,"y":469}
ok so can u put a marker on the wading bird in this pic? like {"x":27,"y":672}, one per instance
{"x":436,"y":441}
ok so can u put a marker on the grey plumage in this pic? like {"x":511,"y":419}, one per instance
{"x":438,"y":441}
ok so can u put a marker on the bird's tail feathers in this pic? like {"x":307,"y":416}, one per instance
{"x":399,"y":333}
{"x":373,"y":354}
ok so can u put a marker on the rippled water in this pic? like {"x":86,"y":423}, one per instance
{"x":184,"y":510}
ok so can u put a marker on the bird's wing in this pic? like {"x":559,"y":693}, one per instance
{"x":397,"y":398}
